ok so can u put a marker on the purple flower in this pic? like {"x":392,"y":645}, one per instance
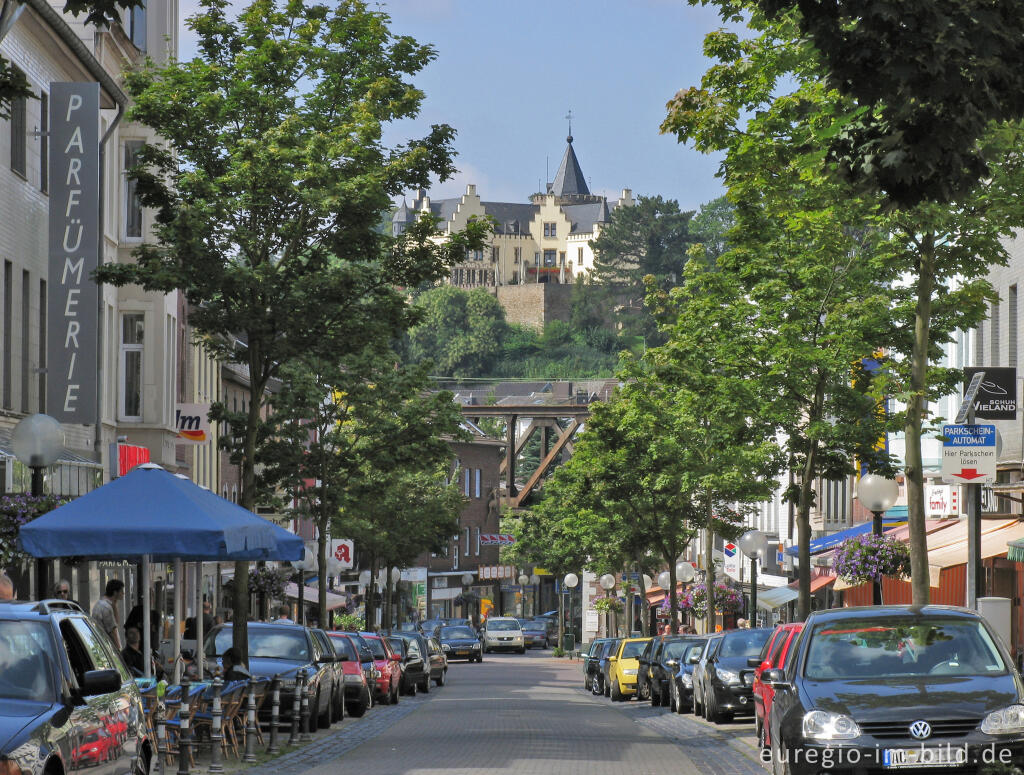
{"x":870,"y":557}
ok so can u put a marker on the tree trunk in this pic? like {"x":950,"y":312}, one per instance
{"x":709,"y":568}
{"x":803,"y":522}
{"x":915,"y":410}
{"x":321,"y":562}
{"x":673,"y":597}
{"x":370,"y":607}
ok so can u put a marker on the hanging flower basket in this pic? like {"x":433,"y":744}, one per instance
{"x":868,"y":558}
{"x":727,"y":600}
{"x":269,"y":582}
{"x":606,"y":605}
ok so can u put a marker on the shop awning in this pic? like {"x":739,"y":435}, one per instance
{"x":996,"y":536}
{"x":310,"y":595}
{"x":773,"y":598}
{"x":825,"y":543}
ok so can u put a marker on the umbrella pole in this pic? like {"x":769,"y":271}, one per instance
{"x":176,"y":632}
{"x":200,"y":635}
{"x":147,"y":640}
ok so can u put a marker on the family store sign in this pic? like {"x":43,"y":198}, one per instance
{"x":73,"y":252}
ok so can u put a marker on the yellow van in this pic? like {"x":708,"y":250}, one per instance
{"x":624,"y":666}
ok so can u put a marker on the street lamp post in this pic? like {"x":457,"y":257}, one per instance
{"x":570,"y":581}
{"x":877,"y":494}
{"x":607,"y":582}
{"x":752,"y":544}
{"x":37,"y":441}
{"x":523,"y":581}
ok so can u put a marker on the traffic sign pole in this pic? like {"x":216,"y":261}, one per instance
{"x":974,"y":581}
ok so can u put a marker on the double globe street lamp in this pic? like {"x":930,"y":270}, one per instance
{"x":877,"y":494}
{"x":570,"y":581}
{"x":753,"y":544}
{"x":684,"y":574}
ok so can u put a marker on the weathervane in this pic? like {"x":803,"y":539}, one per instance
{"x":568,"y":117}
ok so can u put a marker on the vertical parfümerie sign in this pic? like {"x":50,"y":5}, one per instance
{"x":74,"y":246}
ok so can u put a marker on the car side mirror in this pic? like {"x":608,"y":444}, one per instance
{"x":100,"y":682}
{"x":613,"y":659}
{"x":671,"y":663}
{"x":342,"y":658}
{"x":775,"y":678}
{"x":753,"y":661}
{"x":396,"y":657}
{"x":694,"y":659}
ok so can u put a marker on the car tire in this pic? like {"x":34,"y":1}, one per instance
{"x":605,"y":688}
{"x":780,"y":763}
{"x":762,"y":737}
{"x":441,"y":678}
{"x":698,"y":707}
{"x":522,"y":649}
{"x":616,"y":693}
{"x":424,"y":686}
{"x":595,"y":685}
{"x":644,"y":692}
{"x":358,"y":709}
{"x":394,"y":696}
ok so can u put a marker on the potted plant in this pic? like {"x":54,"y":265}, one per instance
{"x":727,"y":599}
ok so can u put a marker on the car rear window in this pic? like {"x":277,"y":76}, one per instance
{"x":268,"y":643}
{"x":376,"y":648}
{"x":869,"y":648}
{"x":633,"y":648}
{"x":343,"y":648}
{"x":743,"y":643}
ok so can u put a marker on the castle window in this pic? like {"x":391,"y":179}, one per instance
{"x":517,"y":255}
{"x":550,"y":229}
{"x":549,"y":257}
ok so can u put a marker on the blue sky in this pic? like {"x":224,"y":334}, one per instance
{"x":507,"y":73}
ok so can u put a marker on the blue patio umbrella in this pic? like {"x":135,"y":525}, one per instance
{"x":151,"y":512}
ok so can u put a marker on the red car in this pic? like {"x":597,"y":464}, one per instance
{"x":357,"y":692}
{"x":390,"y":666}
{"x":780,"y":645}
{"x":97,"y":747}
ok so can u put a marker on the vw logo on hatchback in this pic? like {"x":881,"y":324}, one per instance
{"x":921,"y":730}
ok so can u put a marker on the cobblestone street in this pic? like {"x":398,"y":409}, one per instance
{"x":527,"y":715}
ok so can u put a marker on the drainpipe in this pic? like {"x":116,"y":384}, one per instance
{"x":10,"y":10}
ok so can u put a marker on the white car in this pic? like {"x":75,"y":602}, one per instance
{"x":504,"y":632}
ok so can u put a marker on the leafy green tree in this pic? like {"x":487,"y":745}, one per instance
{"x":828,"y":264}
{"x":460,"y":331}
{"x":270,"y":189}
{"x":927,"y":91}
{"x":649,"y":238}
{"x":711,"y":226}
{"x":346,"y":437}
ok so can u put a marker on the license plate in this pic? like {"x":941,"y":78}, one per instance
{"x":924,"y":757}
{"x":462,"y":653}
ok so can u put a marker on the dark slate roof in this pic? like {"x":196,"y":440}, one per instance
{"x":444,"y":209}
{"x":401,"y":214}
{"x":583,"y":217}
{"x":569,"y":178}
{"x":509,"y":213}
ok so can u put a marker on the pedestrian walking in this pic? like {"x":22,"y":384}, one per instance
{"x":283,"y":616}
{"x":105,"y":610}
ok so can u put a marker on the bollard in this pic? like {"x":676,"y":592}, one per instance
{"x":216,"y":731}
{"x":250,"y":725}
{"x":184,"y":739}
{"x":296,"y":702}
{"x":305,"y":737}
{"x":275,"y":713}
{"x":161,"y":742}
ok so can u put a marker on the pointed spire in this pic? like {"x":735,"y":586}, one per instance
{"x":401,"y":214}
{"x":569,"y":179}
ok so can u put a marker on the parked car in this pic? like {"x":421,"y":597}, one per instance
{"x":430,"y":627}
{"x":388,"y":666}
{"x":460,"y":642}
{"x":435,"y":661}
{"x":723,"y":680}
{"x":590,"y":661}
{"x":602,"y":680}
{"x":330,"y":655}
{"x":504,"y":633}
{"x":625,"y":663}
{"x":412,"y":664}
{"x":680,"y":688}
{"x":65,"y":694}
{"x":282,"y":650}
{"x":897,"y":687}
{"x":658,"y":663}
{"x":774,"y":654}
{"x":358,"y":697}
{"x":535,"y":633}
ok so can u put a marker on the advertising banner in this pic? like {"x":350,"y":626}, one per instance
{"x":997,"y":395}
{"x":73,"y":297}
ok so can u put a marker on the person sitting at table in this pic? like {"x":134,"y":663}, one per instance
{"x":232,"y":667}
{"x":132,"y":653}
